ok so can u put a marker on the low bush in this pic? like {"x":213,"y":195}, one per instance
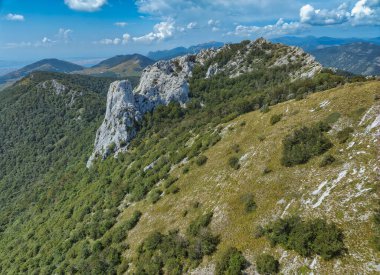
{"x":275,"y":118}
{"x":249,"y":203}
{"x":327,"y":160}
{"x":232,"y":262}
{"x":234,"y":162}
{"x":305,"y":143}
{"x":174,"y":253}
{"x":307,"y":237}
{"x":201,"y":160}
{"x":345,"y":134}
{"x":155,"y":196}
{"x":267,"y":264}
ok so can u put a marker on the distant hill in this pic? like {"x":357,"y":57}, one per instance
{"x":358,"y":58}
{"x":46,"y":65}
{"x":119,"y":66}
{"x":311,"y":43}
{"x":168,"y":54}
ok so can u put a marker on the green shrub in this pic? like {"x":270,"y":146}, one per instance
{"x":275,"y":118}
{"x":345,"y":134}
{"x":234,"y":162}
{"x":199,"y":223}
{"x":327,"y":160}
{"x":232,"y":262}
{"x":249,"y":203}
{"x":173,"y":189}
{"x":201,"y":160}
{"x":267,"y":264}
{"x":307,"y":237}
{"x":155,"y":195}
{"x":174,"y":253}
{"x":169,"y":181}
{"x":304,"y":144}
{"x":258,"y":232}
{"x":185,"y":169}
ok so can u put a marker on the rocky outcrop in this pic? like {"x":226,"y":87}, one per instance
{"x":117,"y":128}
{"x":167,"y":81}
{"x":160,"y":84}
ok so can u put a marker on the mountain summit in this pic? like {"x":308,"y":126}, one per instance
{"x":47,"y":65}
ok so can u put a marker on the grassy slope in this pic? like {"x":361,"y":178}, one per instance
{"x":285,"y":190}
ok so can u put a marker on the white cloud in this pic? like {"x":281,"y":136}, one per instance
{"x":280,"y":28}
{"x":121,"y":24}
{"x":363,"y":12}
{"x":192,"y":25}
{"x":14,"y":17}
{"x":126,"y":38}
{"x":64,"y":35}
{"x":85,"y":5}
{"x":366,"y":12}
{"x":312,"y":16}
{"x":46,"y":40}
{"x":108,"y":41}
{"x":161,"y":31}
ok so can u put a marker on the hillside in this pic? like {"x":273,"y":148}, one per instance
{"x":312,"y":43}
{"x":358,"y":58}
{"x":207,"y":147}
{"x":172,"y":53}
{"x":119,"y":66}
{"x":46,"y":65}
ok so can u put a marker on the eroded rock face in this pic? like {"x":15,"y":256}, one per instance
{"x":160,"y":84}
{"x":118,"y":127}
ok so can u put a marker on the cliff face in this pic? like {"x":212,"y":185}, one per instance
{"x":161,"y":83}
{"x":167,"y":81}
{"x":119,"y":121}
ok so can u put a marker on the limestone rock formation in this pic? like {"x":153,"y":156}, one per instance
{"x":119,"y":121}
{"x":167,"y":81}
{"x":160,"y":84}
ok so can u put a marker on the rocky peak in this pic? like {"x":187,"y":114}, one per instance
{"x":53,"y":84}
{"x":167,"y":81}
{"x":160,"y":84}
{"x":119,"y":121}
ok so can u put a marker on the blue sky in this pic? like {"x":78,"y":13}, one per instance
{"x":70,"y":29}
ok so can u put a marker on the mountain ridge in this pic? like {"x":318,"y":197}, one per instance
{"x":358,"y":58}
{"x":49,"y":64}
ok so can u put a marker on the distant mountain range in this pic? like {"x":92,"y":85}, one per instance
{"x":355,"y":55}
{"x":358,"y":58}
{"x":119,"y":66}
{"x":311,"y":43}
{"x":47,"y":65}
{"x":168,"y":54}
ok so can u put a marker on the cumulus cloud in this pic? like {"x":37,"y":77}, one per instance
{"x":363,"y":12}
{"x":312,"y":16}
{"x":85,"y":5}
{"x":366,"y":12}
{"x":14,"y":17}
{"x":161,"y":31}
{"x":280,"y":28}
{"x":121,"y":24}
